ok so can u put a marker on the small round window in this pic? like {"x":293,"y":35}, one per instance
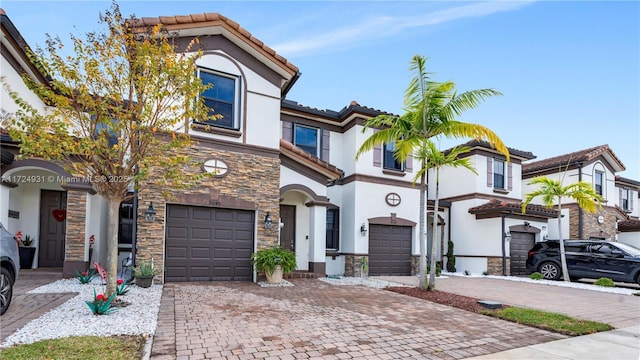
{"x":392,"y":199}
{"x":216,"y":167}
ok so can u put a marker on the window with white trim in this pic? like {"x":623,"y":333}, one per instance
{"x":498,"y":174}
{"x":389,"y":161}
{"x":333,"y":229}
{"x":307,"y":138}
{"x":222,"y":99}
{"x":625,"y":199}
{"x":598,"y":182}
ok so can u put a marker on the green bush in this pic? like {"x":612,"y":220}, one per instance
{"x":606,"y":282}
{"x":438,"y":269}
{"x":467,"y":272}
{"x":485,"y":273}
{"x":266,"y":260}
{"x":536,"y":276}
{"x":451,"y":260}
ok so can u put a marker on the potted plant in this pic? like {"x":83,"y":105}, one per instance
{"x":27,"y":252}
{"x":274,"y":262}
{"x":144,"y":273}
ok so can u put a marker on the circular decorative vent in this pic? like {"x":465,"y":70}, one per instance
{"x":218,"y":167}
{"x":392,"y":199}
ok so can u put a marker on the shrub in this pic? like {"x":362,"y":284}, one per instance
{"x":536,"y":276}
{"x":100,"y":304}
{"x":85,"y":276}
{"x":266,"y":260}
{"x":451,"y":260}
{"x":485,"y":273}
{"x":146,"y":269}
{"x":122,"y":288}
{"x":467,"y":272}
{"x":606,"y":282}
{"x":438,"y":269}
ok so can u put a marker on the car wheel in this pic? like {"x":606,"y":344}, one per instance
{"x":550,"y":271}
{"x":6,"y":290}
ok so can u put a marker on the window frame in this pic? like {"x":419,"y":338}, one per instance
{"x":601,"y":184}
{"x":499,"y":176}
{"x":397,"y":165}
{"x":235,"y":106}
{"x":333,"y":234}
{"x":625,"y":196}
{"x":318,"y":146}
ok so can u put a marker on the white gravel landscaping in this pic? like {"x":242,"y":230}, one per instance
{"x":374,"y":283}
{"x":74,"y":318}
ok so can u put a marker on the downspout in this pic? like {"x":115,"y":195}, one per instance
{"x":580,"y":219}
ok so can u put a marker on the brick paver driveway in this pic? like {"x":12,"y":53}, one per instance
{"x":220,"y":320}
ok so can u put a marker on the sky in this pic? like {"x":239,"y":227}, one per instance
{"x":569,"y":71}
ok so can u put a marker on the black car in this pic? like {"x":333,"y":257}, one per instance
{"x":586,"y":259}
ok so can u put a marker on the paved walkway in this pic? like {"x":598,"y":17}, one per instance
{"x":220,"y":320}
{"x":26,"y":307}
{"x":617,"y":310}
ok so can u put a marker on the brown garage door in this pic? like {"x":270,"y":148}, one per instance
{"x":208,"y":244}
{"x":389,"y":250}
{"x":520,"y":244}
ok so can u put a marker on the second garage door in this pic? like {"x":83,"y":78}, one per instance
{"x":389,"y":250}
{"x":208,"y":244}
{"x":520,"y":245}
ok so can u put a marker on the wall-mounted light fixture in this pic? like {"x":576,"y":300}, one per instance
{"x":363,"y":229}
{"x":507,"y":236}
{"x":544,"y":227}
{"x":268,"y":223}
{"x":527,"y":224}
{"x":150,"y":214}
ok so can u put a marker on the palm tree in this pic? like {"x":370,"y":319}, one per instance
{"x":550,"y":190}
{"x":436,"y":159}
{"x":430,"y":109}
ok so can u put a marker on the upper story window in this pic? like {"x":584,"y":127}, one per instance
{"x":389,"y":161}
{"x":498,"y":174}
{"x":625,"y":199}
{"x":333,"y":229}
{"x":222,"y":98}
{"x":307,"y":138}
{"x":599,"y":182}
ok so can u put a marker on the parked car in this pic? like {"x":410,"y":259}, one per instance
{"x":586,"y":259}
{"x":9,"y":260}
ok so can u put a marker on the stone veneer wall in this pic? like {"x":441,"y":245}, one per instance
{"x":75,"y":233}
{"x":494,"y":265}
{"x":353,"y":265}
{"x":415,"y":264}
{"x":251,"y":183}
{"x":590,"y":225}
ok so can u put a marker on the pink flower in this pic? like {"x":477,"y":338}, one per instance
{"x":100,"y":297}
{"x":120,"y":281}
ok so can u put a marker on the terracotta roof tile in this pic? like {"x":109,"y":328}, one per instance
{"x":629,"y":225}
{"x":311,"y":160}
{"x":211,"y":19}
{"x":560,"y":161}
{"x":498,"y":206}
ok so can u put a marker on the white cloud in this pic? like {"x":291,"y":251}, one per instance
{"x":383,"y":26}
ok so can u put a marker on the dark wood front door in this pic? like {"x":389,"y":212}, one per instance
{"x":52,"y":231}
{"x":288,"y":232}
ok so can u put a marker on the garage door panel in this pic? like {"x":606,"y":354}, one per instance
{"x":209,"y":244}
{"x":518,"y":249}
{"x":390,"y":250}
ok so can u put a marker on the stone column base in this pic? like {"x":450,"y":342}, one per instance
{"x":353,"y":265}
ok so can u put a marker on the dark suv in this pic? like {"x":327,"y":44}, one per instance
{"x":586,"y":259}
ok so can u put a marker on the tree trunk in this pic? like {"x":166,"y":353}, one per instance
{"x":423,"y":230}
{"x":112,"y":246}
{"x":432,"y":257}
{"x":563,"y":256}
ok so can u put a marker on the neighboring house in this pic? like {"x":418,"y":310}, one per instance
{"x":598,"y":166}
{"x":482,"y":214}
{"x":628,"y":196}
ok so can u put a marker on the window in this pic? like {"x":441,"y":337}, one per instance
{"x":307,"y":138}
{"x":333,"y":229}
{"x":222,"y":99}
{"x":389,"y":161}
{"x":125,"y":230}
{"x":599,"y":182}
{"x":625,"y":195}
{"x":498,"y":174}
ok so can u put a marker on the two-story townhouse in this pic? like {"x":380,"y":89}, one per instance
{"x":596,"y":165}
{"x":372,"y":208}
{"x":628,"y":196}
{"x":482,"y":214}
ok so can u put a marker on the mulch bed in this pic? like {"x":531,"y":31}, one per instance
{"x":441,"y":297}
